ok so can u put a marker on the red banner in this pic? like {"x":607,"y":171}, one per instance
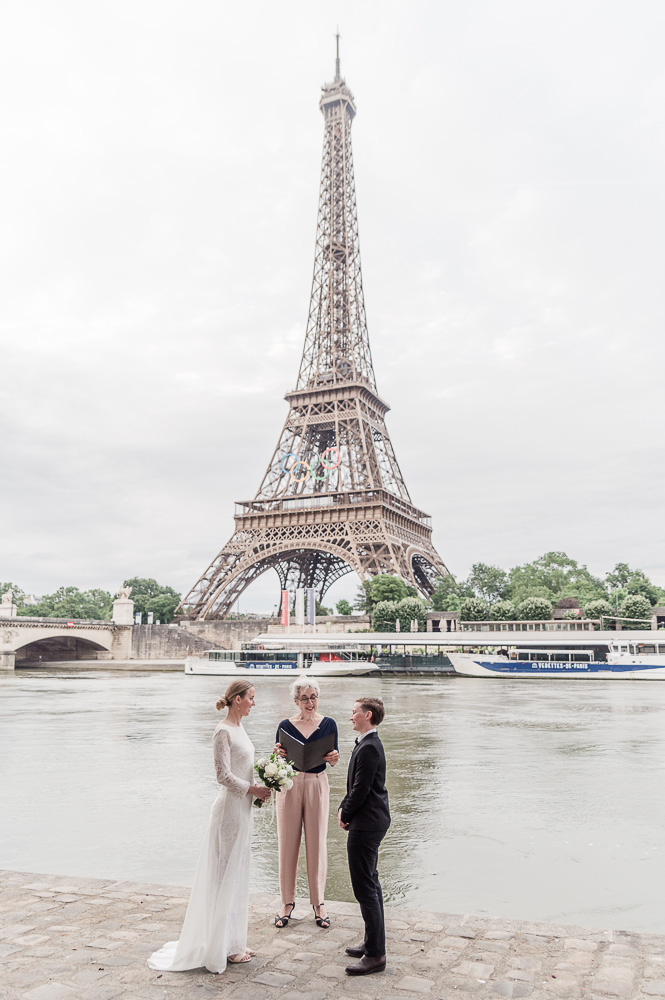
{"x":284,"y":620}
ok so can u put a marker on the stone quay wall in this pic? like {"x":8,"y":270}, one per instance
{"x":175,"y":642}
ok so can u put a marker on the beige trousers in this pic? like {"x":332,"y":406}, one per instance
{"x":307,"y":803}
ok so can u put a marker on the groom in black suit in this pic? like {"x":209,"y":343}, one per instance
{"x":364,"y":813}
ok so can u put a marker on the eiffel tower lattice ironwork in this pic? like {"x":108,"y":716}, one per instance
{"x":333,"y":498}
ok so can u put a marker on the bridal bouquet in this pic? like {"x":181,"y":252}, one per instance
{"x":275,"y":773}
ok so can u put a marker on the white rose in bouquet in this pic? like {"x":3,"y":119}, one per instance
{"x":274,"y":773}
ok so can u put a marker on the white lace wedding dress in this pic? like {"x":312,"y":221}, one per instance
{"x":216,"y":920}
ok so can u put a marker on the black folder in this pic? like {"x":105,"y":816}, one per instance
{"x":305,"y":756}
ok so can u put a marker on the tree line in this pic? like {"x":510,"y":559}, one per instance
{"x":96,"y":604}
{"x":527,"y":592}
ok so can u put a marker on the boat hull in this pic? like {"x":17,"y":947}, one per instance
{"x":197,"y":665}
{"x":627,"y":668}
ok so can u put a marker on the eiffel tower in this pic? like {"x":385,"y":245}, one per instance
{"x":333,"y":499}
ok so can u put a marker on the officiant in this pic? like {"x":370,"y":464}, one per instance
{"x":312,"y":741}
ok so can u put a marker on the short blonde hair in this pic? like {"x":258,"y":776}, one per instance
{"x":302,"y":683}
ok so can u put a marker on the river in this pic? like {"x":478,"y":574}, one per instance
{"x":539,"y":800}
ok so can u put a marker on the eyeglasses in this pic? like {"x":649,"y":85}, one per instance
{"x":311,"y":697}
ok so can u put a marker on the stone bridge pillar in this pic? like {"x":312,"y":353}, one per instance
{"x":7,"y":659}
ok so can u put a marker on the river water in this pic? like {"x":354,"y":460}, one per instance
{"x":540,"y":800}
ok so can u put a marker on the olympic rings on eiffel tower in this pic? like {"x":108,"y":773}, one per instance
{"x":309,"y":467}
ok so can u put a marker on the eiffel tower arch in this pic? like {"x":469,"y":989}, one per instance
{"x":333,"y":499}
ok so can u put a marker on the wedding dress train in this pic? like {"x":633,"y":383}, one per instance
{"x":216,"y":920}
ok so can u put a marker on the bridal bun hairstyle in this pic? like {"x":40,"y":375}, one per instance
{"x":234,"y":689}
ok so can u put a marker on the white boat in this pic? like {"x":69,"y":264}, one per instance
{"x":624,"y":660}
{"x":261,"y":662}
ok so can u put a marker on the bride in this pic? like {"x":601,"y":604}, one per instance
{"x":215,"y":927}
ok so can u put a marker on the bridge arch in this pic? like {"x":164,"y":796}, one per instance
{"x":64,"y":646}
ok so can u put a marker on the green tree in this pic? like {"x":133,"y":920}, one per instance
{"x":18,"y":596}
{"x":449,"y":593}
{"x":619,"y":576}
{"x":601,"y":610}
{"x":411,"y":608}
{"x":473,"y":609}
{"x":639,"y":583}
{"x":70,"y":602}
{"x":163,"y":607}
{"x":502,"y":611}
{"x":382,"y":587}
{"x":635,"y":606}
{"x":488,"y":582}
{"x":384,"y":616}
{"x":322,"y":610}
{"x":344,"y":608}
{"x":534,"y":608}
{"x":146,"y":590}
{"x":552,"y":576}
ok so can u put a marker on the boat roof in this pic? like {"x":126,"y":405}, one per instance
{"x":550,"y":639}
{"x":283,"y":648}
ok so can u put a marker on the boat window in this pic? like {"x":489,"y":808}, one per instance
{"x":562,"y":657}
{"x":648,"y":648}
{"x":583,"y":657}
{"x":624,"y":649}
{"x":219,"y":655}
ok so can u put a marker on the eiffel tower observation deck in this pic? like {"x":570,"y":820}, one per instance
{"x":333,"y":499}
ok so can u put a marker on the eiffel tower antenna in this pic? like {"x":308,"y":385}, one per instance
{"x":333,"y":499}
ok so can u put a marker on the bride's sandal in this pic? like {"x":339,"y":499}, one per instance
{"x":282,"y":921}
{"x":321,"y":921}
{"x":240,"y":958}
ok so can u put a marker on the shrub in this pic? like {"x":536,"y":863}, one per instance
{"x":636,"y":606}
{"x":410,"y":608}
{"x":598,"y":609}
{"x":534,"y":608}
{"x":502,"y":611}
{"x":384,"y":616}
{"x":473,"y":609}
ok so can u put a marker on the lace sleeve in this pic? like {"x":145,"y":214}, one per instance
{"x":221,"y":745}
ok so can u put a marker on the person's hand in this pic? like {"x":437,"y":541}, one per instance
{"x":259,"y":792}
{"x":279,"y":749}
{"x":332,"y":757}
{"x":344,"y":826}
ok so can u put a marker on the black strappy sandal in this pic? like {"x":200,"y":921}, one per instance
{"x":281,"y":921}
{"x":321,"y":921}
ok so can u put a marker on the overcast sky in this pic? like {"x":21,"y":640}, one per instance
{"x":159,"y":185}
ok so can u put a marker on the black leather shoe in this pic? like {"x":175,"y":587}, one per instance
{"x":356,"y":952}
{"x":367,"y":965}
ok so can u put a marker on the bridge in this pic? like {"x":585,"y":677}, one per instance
{"x":27,"y":642}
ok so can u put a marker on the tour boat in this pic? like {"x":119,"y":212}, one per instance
{"x":624,"y":660}
{"x":261,"y":662}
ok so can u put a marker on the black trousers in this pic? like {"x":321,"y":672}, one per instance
{"x":363,"y":849}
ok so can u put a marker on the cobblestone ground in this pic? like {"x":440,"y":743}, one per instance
{"x":88,"y":939}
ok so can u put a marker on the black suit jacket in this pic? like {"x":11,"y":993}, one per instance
{"x":365,"y":805}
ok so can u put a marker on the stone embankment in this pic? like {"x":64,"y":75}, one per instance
{"x":67,"y":938}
